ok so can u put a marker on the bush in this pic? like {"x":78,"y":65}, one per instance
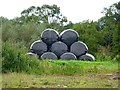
{"x":14,"y":58}
{"x":26,"y":32}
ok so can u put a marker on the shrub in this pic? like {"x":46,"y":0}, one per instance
{"x":14,"y":58}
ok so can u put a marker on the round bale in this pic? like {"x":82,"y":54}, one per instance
{"x":68,"y":56}
{"x":49,"y":36}
{"x":32,"y":54}
{"x":49,"y":55}
{"x":88,"y":57}
{"x":69,"y":36}
{"x":79,"y":48}
{"x":38,"y":47}
{"x":59,"y":48}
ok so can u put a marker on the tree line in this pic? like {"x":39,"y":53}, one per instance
{"x":102,"y":36}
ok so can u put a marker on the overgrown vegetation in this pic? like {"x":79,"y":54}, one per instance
{"x":102,"y":38}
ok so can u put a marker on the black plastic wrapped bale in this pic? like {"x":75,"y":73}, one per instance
{"x":32,"y":54}
{"x":38,"y":47}
{"x":49,"y":55}
{"x":68,"y":56}
{"x":87,"y":57}
{"x":69,"y":36}
{"x":59,"y":48}
{"x":79,"y":48}
{"x":49,"y":36}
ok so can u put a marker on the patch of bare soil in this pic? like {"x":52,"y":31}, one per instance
{"x":113,"y":76}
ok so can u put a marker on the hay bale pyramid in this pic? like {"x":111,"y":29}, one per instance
{"x":63,"y":46}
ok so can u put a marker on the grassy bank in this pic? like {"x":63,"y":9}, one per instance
{"x":72,"y":67}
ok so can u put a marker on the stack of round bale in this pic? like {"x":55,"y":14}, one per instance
{"x":64,"y":46}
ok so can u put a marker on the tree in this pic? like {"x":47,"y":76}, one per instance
{"x":88,"y":34}
{"x":46,"y":13}
{"x":110,"y":26}
{"x":117,"y":33}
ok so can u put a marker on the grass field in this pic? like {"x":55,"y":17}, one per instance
{"x":21,"y":80}
{"x":65,"y":74}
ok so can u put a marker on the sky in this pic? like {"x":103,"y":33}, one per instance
{"x":74,"y":10}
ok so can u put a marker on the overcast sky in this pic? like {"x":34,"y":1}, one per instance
{"x":74,"y":10}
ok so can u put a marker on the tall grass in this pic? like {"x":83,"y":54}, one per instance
{"x":14,"y":58}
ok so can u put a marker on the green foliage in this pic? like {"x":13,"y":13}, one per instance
{"x":102,"y":38}
{"x":117,"y":32}
{"x":110,"y":25}
{"x":46,"y":13}
{"x":15,"y":60}
{"x":26,"y":33}
{"x":88,"y":34}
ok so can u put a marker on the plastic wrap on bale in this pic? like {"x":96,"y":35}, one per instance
{"x":32,"y":54}
{"x":49,"y":36}
{"x":64,"y":46}
{"x":88,"y":57}
{"x":59,"y":48}
{"x":68,"y":56}
{"x":69,"y":36}
{"x":38,"y":47}
{"x":49,"y":55}
{"x":79,"y":48}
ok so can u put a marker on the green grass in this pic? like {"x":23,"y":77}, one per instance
{"x":73,"y":67}
{"x":64,"y":74}
{"x":22,"y":80}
